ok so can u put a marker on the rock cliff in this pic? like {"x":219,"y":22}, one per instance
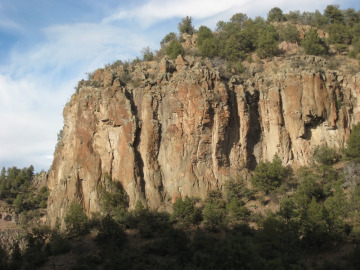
{"x":181,"y":127}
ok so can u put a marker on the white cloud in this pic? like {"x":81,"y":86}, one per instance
{"x":9,"y":25}
{"x":39,"y":80}
{"x":28,"y":119}
{"x":154,"y":11}
{"x":79,"y":44}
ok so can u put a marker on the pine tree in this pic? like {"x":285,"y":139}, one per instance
{"x":352,"y":150}
{"x":313,"y":44}
{"x":76,"y":220}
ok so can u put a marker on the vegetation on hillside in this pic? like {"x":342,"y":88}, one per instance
{"x":236,"y":43}
{"x":274,"y":219}
{"x":16,"y":189}
{"x":241,"y":35}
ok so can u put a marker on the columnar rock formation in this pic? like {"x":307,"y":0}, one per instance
{"x":175,"y":128}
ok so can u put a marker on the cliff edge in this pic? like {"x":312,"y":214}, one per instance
{"x":182,"y":127}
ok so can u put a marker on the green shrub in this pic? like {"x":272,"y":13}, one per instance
{"x":338,"y":34}
{"x":208,"y":48}
{"x":185,"y":212}
{"x":352,"y":151}
{"x":313,"y":44}
{"x":333,"y":14}
{"x":152,"y":223}
{"x":275,"y":15}
{"x":236,"y":189}
{"x":352,"y":54}
{"x":77,"y":223}
{"x":34,"y":255}
{"x":174,"y":49}
{"x":18,"y":203}
{"x":341,"y":48}
{"x":214,"y":212}
{"x":269,"y":175}
{"x":206,"y":42}
{"x":58,"y":244}
{"x":239,"y":68}
{"x":203,"y":33}
{"x":60,"y":135}
{"x":110,"y":231}
{"x":114,"y":200}
{"x":147,"y":54}
{"x":125,"y":77}
{"x":237,"y":213}
{"x":308,"y":188}
{"x":289,"y":33}
{"x":185,"y":26}
{"x":169,"y":37}
{"x":267,"y":42}
{"x":326,"y":155}
{"x":293,"y":16}
{"x":287,"y":210}
{"x":232,"y":50}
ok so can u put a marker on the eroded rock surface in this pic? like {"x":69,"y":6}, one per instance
{"x":173,"y":128}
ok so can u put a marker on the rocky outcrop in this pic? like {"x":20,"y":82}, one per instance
{"x":174,"y":128}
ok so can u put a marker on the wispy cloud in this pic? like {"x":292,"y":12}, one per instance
{"x":153,"y":11}
{"x":27,"y":122}
{"x":40,"y":79}
{"x":9,"y":24}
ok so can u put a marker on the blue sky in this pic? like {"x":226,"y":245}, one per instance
{"x":46,"y":46}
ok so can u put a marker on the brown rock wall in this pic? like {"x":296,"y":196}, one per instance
{"x":179,"y":129}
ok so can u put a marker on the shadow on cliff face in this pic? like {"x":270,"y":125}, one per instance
{"x":310,"y":125}
{"x":139,"y":163}
{"x":254,"y":135}
{"x":233,"y":135}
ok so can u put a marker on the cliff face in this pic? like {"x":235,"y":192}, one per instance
{"x":175,"y":128}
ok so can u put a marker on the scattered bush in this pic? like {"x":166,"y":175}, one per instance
{"x":326,"y":155}
{"x":58,"y":244}
{"x":267,"y":42}
{"x":147,"y":54}
{"x":352,"y":54}
{"x":114,"y":200}
{"x":237,"y":213}
{"x":214,"y":211}
{"x":185,"y":26}
{"x":352,"y":151}
{"x":340,"y":48}
{"x":110,"y":231}
{"x":169,"y":37}
{"x":203,"y":33}
{"x":289,"y":33}
{"x":313,"y":44}
{"x":152,"y":223}
{"x":275,"y":15}
{"x":232,"y":50}
{"x":174,"y":49}
{"x":77,"y":223}
{"x":269,"y":175}
{"x":125,"y":77}
{"x":185,"y":212}
{"x":206,"y":42}
{"x":338,"y":34}
{"x":333,"y":14}
{"x":208,"y":48}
